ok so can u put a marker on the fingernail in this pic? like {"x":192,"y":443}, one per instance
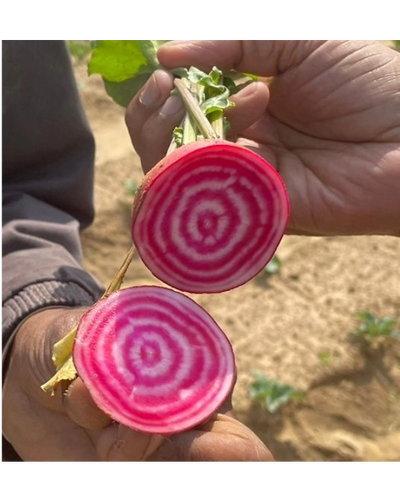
{"x":151,"y":93}
{"x":249,"y":89}
{"x":172,"y":106}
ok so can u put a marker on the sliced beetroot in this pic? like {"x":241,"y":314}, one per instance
{"x":209,"y":216}
{"x":153,"y":359}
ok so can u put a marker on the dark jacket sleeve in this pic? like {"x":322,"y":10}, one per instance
{"x":48,"y":165}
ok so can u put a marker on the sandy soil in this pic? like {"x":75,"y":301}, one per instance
{"x":294,"y":326}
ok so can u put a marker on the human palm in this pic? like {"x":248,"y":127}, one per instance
{"x":331,"y":126}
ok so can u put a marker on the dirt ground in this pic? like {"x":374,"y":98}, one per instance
{"x":294,"y":326}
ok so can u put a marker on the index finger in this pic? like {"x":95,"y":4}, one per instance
{"x":261,"y":57}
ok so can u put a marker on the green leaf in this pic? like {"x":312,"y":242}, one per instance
{"x":215,"y":94}
{"x":123,"y":92}
{"x":178,"y":136}
{"x":211,"y":81}
{"x":217,"y":103}
{"x":125,"y":66}
{"x":116,"y":60}
{"x":149,"y":49}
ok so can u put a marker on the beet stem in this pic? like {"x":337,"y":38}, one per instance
{"x":119,"y":277}
{"x":195,"y":111}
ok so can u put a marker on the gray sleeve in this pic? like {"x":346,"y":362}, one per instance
{"x":48,"y":171}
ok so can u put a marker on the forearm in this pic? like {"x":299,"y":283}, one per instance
{"x":41,"y":261}
{"x":48,"y":165}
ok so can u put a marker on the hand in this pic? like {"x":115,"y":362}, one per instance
{"x":329,"y":122}
{"x":71,"y":428}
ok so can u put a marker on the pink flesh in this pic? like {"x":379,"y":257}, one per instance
{"x":210,"y":220}
{"x":154,"y":360}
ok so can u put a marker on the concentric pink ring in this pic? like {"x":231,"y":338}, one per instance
{"x":210,"y":218}
{"x":153,"y":359}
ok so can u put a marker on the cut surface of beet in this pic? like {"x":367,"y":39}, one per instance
{"x":154,"y":360}
{"x":209,"y":216}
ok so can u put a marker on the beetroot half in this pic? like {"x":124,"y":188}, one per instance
{"x":154,"y":360}
{"x":209,"y":216}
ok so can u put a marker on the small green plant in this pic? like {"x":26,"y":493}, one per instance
{"x":271,"y":394}
{"x":79,"y":49}
{"x":131,"y":187}
{"x":273,"y":266}
{"x":397,"y":44}
{"x":372,"y":326}
{"x":325,"y":357}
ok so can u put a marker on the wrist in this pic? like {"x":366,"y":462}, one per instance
{"x":41,"y":295}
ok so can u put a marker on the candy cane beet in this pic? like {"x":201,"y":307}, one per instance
{"x":153,"y":359}
{"x":209,"y":216}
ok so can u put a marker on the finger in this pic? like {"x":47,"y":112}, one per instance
{"x":81,"y":408}
{"x":261,"y":57}
{"x":250,"y":104}
{"x":118,"y":443}
{"x":224,"y":439}
{"x":151,"y":117}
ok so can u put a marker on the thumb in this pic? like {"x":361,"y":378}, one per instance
{"x":261,"y":57}
{"x":219,"y":440}
{"x":117,"y":443}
